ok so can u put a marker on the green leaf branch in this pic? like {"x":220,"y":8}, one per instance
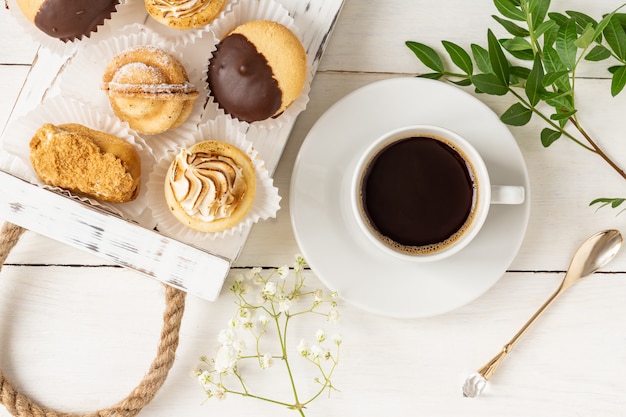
{"x":537,"y":64}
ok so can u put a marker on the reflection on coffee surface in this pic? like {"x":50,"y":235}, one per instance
{"x":418,"y":194}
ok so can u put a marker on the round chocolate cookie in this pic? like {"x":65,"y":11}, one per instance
{"x":257,"y":70}
{"x":68,"y":20}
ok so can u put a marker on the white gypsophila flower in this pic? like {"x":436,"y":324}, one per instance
{"x":240,"y":345}
{"x":239,"y":278}
{"x":318,"y":351}
{"x":218,"y":392}
{"x":283,"y":271}
{"x":320,"y":335}
{"x":266,"y":361}
{"x":204,"y":378}
{"x":333,"y":316}
{"x":226,"y":359}
{"x":253,"y":273}
{"x":233,"y":323}
{"x":284,"y":305}
{"x":318,"y":296}
{"x":303,"y":348}
{"x":299,"y":263}
{"x":263,"y":319}
{"x":269,"y":288}
{"x":245,"y":315}
{"x":227,"y":337}
{"x":337,"y":339}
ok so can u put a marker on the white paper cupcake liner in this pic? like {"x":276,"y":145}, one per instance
{"x":55,"y":45}
{"x":266,"y":201}
{"x":58,"y":110}
{"x":245,"y":11}
{"x":82,"y":77}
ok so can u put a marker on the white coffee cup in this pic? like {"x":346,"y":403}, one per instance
{"x":422,"y":193}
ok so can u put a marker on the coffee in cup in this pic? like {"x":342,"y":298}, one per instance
{"x":423,"y":192}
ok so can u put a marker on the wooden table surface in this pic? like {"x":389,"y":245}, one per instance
{"x":76,"y":334}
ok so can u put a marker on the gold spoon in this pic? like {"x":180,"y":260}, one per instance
{"x":592,"y":255}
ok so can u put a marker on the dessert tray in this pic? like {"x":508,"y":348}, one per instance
{"x":66,"y":77}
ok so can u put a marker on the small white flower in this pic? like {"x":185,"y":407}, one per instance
{"x":233,"y":323}
{"x":227,"y":337}
{"x":204,"y":378}
{"x":299,"y":263}
{"x":320,"y":335}
{"x":264,"y":319}
{"x":337,"y":339}
{"x":318,"y":296}
{"x":266,"y":361}
{"x":318,"y":351}
{"x":284,"y":305}
{"x":269,"y":288}
{"x":219,"y":392}
{"x":333,"y":316}
{"x":245,"y":315}
{"x":283,"y":271}
{"x":303,"y":348}
{"x":253,"y":273}
{"x":226,"y":359}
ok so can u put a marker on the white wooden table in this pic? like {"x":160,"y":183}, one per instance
{"x":77,"y":334}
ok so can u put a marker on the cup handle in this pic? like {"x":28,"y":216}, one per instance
{"x":507,"y":194}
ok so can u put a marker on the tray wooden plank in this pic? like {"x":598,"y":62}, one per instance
{"x":199,"y":269}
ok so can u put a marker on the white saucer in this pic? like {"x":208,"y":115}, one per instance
{"x":329,"y":237}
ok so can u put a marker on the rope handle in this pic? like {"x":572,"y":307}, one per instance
{"x":21,"y":406}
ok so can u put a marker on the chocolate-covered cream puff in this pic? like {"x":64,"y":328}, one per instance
{"x":68,"y":20}
{"x":257,"y":70}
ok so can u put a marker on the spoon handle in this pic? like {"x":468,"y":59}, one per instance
{"x":490,"y":367}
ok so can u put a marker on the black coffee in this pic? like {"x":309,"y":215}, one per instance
{"x":418,"y":194}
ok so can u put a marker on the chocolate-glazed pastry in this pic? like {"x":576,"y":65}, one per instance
{"x":68,"y":20}
{"x":257,"y":70}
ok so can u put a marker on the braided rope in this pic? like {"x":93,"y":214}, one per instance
{"x":21,"y":406}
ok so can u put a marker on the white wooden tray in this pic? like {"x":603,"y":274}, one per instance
{"x":199,"y":269}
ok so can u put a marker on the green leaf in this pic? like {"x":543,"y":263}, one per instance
{"x":552,"y":63}
{"x":561,"y":101}
{"x":534,"y":83}
{"x":562,"y":115}
{"x":549,"y":136}
{"x":431,"y":75}
{"x":544,"y":27}
{"x":427,"y":55}
{"x":460,"y":58}
{"x":582,"y":20}
{"x":516,"y":115}
{"x":565,"y":44}
{"x":490,"y":84}
{"x":549,"y":36}
{"x":616,"y":37}
{"x":509,"y":9}
{"x":527,"y":55}
{"x":538,"y":13}
{"x":598,"y":53}
{"x":586,"y":38}
{"x":552,"y":77}
{"x":481,"y":56}
{"x":517,"y":44}
{"x":520,"y":72}
{"x":511,"y":27}
{"x":614,"y":202}
{"x":618,"y":81}
{"x":558,"y":18}
{"x":614,"y":68}
{"x":498,"y":61}
{"x":465,"y":82}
